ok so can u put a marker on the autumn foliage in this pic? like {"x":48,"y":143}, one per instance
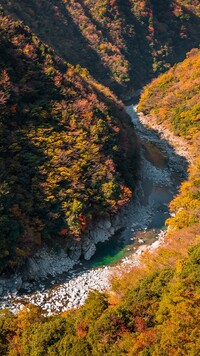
{"x":63,"y":157}
{"x":122,"y":43}
{"x":68,"y":155}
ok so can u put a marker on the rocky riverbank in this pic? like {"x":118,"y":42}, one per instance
{"x":167,"y":139}
{"x":49,"y":263}
{"x":73,"y":293}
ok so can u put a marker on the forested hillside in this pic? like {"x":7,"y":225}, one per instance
{"x":68,"y":155}
{"x":174,"y":98}
{"x":153,"y":309}
{"x":122,"y":43}
{"x":68,"y":151}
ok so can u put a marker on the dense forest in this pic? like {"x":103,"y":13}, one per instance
{"x":69,"y":154}
{"x":122,"y":43}
{"x":154,"y":308}
{"x":68,"y":150}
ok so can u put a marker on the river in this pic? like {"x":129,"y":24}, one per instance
{"x":162,"y":171}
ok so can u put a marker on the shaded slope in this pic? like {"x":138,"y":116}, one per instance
{"x":121,"y":43}
{"x":62,"y":145}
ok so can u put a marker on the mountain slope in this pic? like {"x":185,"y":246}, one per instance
{"x":121,"y":43}
{"x":62,"y":143}
{"x":174,"y":98}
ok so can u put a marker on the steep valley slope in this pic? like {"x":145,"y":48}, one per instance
{"x":68,"y":149}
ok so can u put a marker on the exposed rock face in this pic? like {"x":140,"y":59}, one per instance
{"x":104,"y":229}
{"x":47,"y":262}
{"x":11,"y":285}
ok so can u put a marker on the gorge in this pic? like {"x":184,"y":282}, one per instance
{"x":163,"y":168}
{"x":99,"y":177}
